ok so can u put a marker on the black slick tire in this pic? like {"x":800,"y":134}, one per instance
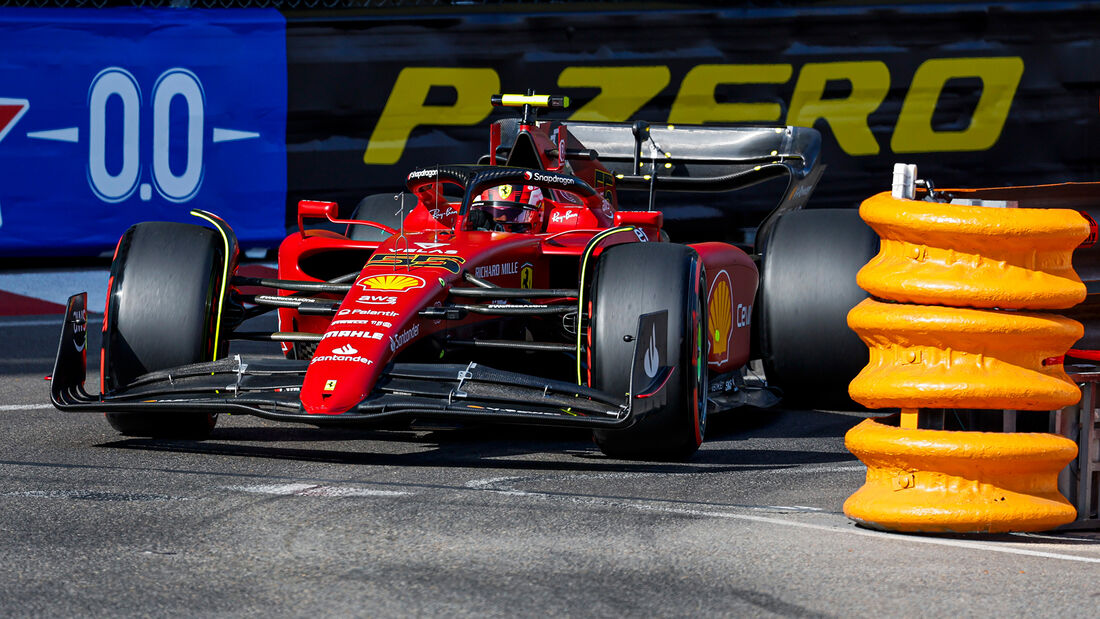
{"x":161,"y":313}
{"x":383,"y":208}
{"x":629,"y":281}
{"x":808,"y":285}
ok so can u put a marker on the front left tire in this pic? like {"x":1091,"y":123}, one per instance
{"x":629,"y":281}
{"x":162,"y":304}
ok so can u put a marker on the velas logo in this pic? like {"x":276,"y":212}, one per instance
{"x":11,"y":110}
{"x":393,"y":283}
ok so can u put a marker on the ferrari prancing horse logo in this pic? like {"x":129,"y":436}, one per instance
{"x":527,"y":276}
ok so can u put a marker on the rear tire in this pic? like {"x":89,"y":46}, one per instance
{"x":162,"y":307}
{"x":629,"y":281}
{"x":808,"y":285}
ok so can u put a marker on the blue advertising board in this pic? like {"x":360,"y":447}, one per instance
{"x":114,"y":116}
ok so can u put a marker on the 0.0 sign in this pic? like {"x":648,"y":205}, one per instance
{"x":118,"y":82}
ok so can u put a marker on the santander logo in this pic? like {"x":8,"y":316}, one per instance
{"x":345,"y":350}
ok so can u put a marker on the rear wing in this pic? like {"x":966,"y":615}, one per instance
{"x":700,"y":158}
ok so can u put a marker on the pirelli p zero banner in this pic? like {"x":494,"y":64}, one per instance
{"x":974,"y":94}
{"x":114,"y":116}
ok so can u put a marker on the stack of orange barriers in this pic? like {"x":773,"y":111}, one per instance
{"x":959,"y":319}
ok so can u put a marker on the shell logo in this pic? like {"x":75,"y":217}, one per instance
{"x":720,"y":317}
{"x":392,"y":283}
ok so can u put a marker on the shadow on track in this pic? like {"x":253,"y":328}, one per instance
{"x":499,"y":447}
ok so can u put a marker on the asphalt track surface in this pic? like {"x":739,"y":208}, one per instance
{"x":276,"y":519}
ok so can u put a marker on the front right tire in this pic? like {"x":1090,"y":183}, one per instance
{"x":383,"y":208}
{"x":808,"y":286}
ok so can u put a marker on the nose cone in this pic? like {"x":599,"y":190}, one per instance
{"x":376,"y":318}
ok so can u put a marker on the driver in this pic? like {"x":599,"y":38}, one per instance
{"x":507,"y":208}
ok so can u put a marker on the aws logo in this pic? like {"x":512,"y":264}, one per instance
{"x":697,"y":102}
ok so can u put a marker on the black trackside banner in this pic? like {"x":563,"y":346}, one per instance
{"x":974,"y":94}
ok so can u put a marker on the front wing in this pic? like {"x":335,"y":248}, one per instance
{"x":270,"y":388}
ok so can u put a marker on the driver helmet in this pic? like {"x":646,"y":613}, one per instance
{"x":512,"y":208}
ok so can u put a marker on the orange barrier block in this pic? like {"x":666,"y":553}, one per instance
{"x":925,"y":356}
{"x":973,"y":256}
{"x":937,"y":481}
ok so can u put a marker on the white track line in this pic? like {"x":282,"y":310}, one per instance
{"x":987,"y":547}
{"x":302,"y":489}
{"x":486,"y":485}
{"x":24,"y":407}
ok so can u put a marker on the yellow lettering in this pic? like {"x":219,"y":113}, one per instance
{"x":696,"y":104}
{"x":847,"y":117}
{"x":914,"y":132}
{"x":623,"y":90}
{"x":405,"y":109}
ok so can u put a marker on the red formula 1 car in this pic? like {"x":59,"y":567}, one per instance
{"x":515,"y":290}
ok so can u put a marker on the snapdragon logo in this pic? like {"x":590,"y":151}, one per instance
{"x":423,"y":174}
{"x":538,"y":177}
